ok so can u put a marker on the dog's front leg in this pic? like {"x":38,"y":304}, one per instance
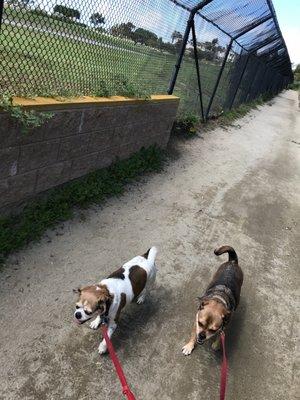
{"x":96,"y":323}
{"x":216,"y":344}
{"x":110,"y":330}
{"x":189,"y":347}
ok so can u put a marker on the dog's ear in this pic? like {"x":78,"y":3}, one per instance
{"x":78,"y":290}
{"x":201,"y":302}
{"x":103,"y":294}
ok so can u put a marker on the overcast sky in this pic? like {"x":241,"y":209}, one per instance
{"x":288,"y":15}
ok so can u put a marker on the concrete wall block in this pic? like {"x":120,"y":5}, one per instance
{"x":124,"y":135}
{"x":163,"y":111}
{"x":96,"y":119}
{"x":139,"y":114}
{"x":101,"y":140}
{"x":37,"y":155}
{"x":9,"y":161}
{"x":11,"y":133}
{"x":75,"y":142}
{"x":63,"y":123}
{"x":74,"y":146}
{"x":53,"y":175}
{"x":17,"y":188}
{"x":83,"y":165}
{"x":129,"y":149}
{"x":107,"y":157}
{"x":161,"y":140}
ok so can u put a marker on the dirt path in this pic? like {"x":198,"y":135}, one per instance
{"x":238,"y":186}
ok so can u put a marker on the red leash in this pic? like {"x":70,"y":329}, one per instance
{"x":224,"y":369}
{"x":125,"y":388}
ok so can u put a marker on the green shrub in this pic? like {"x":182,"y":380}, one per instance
{"x":186,"y":124}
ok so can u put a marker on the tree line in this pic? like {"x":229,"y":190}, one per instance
{"x":208,"y":50}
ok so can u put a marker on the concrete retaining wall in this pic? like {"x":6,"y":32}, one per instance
{"x":81,"y":137}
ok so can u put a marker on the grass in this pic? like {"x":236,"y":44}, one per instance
{"x":16,"y":231}
{"x":37,"y":62}
{"x":188,"y":124}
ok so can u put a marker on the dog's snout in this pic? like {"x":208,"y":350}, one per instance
{"x":78,"y":315}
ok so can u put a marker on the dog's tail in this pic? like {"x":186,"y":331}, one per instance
{"x":151,"y":254}
{"x":227,"y":249}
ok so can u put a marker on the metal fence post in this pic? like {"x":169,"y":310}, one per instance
{"x":181,"y":54}
{"x":1,"y":11}
{"x":252,"y":82}
{"x":218,"y":79}
{"x":201,"y":5}
{"x":239,"y":82}
{"x":258,"y":91}
{"x":197,"y":68}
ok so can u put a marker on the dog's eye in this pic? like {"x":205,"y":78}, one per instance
{"x":88,"y":312}
{"x":199,"y":323}
{"x":77,"y":307}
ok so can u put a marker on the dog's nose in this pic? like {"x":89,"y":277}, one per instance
{"x":78,"y":314}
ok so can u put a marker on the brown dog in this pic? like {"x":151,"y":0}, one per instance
{"x":216,"y":306}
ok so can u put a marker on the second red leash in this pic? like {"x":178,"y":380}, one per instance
{"x":224,"y":369}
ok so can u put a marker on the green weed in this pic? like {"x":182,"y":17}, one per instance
{"x":27,"y":119}
{"x":18,"y":230}
{"x":186,"y":124}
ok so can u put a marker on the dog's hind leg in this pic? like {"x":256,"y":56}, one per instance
{"x":141,"y":297}
{"x":149,"y":285}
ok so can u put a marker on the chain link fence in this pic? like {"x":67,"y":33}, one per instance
{"x":214,"y":54}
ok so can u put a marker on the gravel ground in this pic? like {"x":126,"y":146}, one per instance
{"x":238,"y":186}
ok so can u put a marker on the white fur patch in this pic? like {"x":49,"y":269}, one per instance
{"x":118,"y":286}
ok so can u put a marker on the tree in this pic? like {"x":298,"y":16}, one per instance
{"x":143,"y":36}
{"x":176,"y":35}
{"x":70,"y":13}
{"x":169,"y":47}
{"x":211,"y":49}
{"x":97,"y":19}
{"x":123,"y":30}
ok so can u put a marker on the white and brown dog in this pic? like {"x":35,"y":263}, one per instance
{"x":112,"y":294}
{"x":217,"y":304}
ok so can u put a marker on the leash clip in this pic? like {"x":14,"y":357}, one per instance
{"x":104,"y":320}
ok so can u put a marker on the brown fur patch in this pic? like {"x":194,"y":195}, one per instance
{"x":121,"y":306}
{"x":95,"y":295}
{"x":138,"y":278}
{"x":118,"y":274}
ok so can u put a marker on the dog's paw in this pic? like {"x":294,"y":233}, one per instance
{"x":216,"y":345}
{"x":95,"y":324}
{"x":141,"y":299}
{"x":102,"y":349}
{"x":187,"y":349}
